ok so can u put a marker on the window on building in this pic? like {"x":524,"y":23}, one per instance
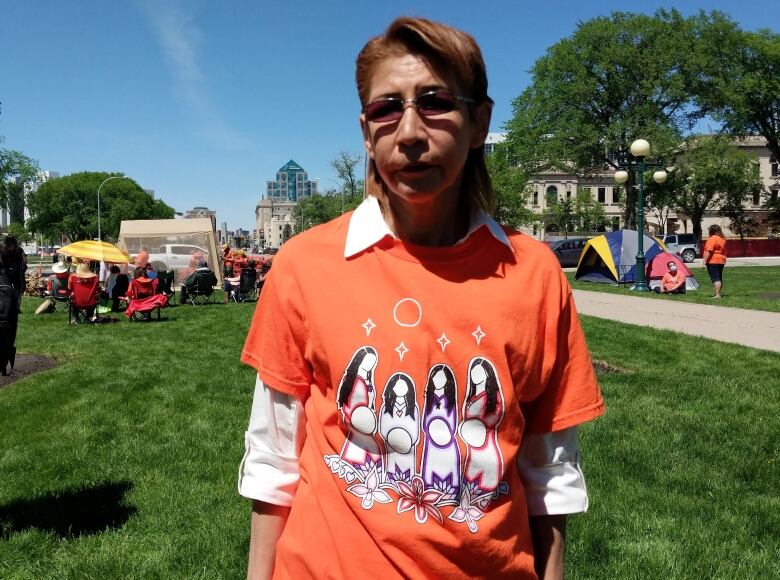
{"x":536,"y":198}
{"x":774,"y":169}
{"x":602,"y":192}
{"x":757,"y":198}
{"x":615,"y":195}
{"x":568,"y":194}
{"x":552,"y":195}
{"x":615,"y":223}
{"x":773,"y":195}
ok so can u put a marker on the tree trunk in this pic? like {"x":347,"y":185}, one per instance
{"x":696,"y":219}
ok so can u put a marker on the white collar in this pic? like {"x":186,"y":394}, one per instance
{"x":367,"y":227}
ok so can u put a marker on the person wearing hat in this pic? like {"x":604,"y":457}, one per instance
{"x":59,"y":277}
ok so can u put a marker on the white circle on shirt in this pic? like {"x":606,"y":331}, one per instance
{"x":407,"y":323}
{"x":439,"y":432}
{"x":473,"y":432}
{"x":363,"y":420}
{"x":399,"y":440}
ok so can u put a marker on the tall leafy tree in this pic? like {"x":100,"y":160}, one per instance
{"x":737,"y":77}
{"x":16,"y":169}
{"x":617,"y":78}
{"x":68,"y":206}
{"x":711,"y":173}
{"x":509,"y":184}
{"x":589,"y":215}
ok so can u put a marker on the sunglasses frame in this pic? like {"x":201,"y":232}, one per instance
{"x":415,"y":101}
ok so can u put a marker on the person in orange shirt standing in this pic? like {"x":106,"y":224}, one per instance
{"x":715,"y":257}
{"x":421,"y":369}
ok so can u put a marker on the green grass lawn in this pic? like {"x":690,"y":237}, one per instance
{"x":752,"y":287}
{"x":122,"y":461}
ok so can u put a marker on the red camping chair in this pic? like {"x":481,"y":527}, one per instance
{"x":84,"y":296}
{"x":144,"y":300}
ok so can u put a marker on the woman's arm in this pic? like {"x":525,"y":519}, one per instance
{"x":267,"y":524}
{"x":549,"y":537}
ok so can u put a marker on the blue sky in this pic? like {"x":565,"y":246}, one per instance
{"x":204,"y":101}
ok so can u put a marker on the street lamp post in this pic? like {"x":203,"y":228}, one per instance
{"x":98,"y":197}
{"x":635,"y":160}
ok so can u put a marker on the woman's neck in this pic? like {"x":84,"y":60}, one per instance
{"x":441,"y":223}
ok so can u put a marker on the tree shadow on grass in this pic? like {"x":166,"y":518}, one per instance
{"x":70,"y":513}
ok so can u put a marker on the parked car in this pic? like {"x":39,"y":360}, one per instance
{"x":568,"y":251}
{"x":175,"y":256}
{"x":684,"y":245}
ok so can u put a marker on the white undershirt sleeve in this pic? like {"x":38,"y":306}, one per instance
{"x":269,"y":471}
{"x":549,"y":464}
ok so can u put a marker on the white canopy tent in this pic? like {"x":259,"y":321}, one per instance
{"x":175,"y":244}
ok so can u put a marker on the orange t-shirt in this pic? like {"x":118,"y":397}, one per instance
{"x":717,"y":246}
{"x":671,"y":281}
{"x":420,"y":370}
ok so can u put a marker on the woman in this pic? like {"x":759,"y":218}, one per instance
{"x":399,"y":427}
{"x":84,"y":272}
{"x":483,"y":410}
{"x":14,"y":263}
{"x":715,"y":258}
{"x":422,"y":274}
{"x":440,"y":465}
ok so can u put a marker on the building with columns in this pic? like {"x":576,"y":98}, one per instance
{"x":550,"y":187}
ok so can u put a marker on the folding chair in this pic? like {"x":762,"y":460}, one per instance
{"x":84,"y":298}
{"x":165,"y":283}
{"x":143,"y":300}
{"x":59,"y":292}
{"x":247,"y":286}
{"x":203,"y":289}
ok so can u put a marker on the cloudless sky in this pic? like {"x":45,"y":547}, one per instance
{"x":204,"y":101}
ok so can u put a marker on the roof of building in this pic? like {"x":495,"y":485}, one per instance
{"x":495,"y":138}
{"x":291,"y":166}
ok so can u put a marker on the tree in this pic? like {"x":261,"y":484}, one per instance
{"x":68,"y":206}
{"x":345,"y":165}
{"x":738,"y":78}
{"x":589,"y":215}
{"x":509,"y":185}
{"x":660,"y":200}
{"x":615,"y":79}
{"x":14,"y":164}
{"x":560,"y":214}
{"x":711,"y":173}
{"x":286,"y":232}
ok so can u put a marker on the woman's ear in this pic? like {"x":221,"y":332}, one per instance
{"x":366,"y":136}
{"x":481,"y":124}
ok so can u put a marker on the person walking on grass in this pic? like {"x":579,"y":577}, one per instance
{"x":715,"y":258}
{"x":417,"y":285}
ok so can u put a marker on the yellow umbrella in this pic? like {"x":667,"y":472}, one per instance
{"x":94,"y":250}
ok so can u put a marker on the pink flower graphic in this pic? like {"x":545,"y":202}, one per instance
{"x":422,"y":501}
{"x":466,"y":512}
{"x":369,"y":491}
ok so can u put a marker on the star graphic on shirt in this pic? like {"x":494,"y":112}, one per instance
{"x":369,"y":326}
{"x":401,"y":350}
{"x":478,"y":334}
{"x":443,"y":341}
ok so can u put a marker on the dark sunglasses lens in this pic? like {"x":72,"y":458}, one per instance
{"x":385,"y":110}
{"x":436,"y":103}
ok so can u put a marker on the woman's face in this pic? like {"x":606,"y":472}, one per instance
{"x":400,"y":388}
{"x":418,"y":158}
{"x":478,"y":374}
{"x":439,"y":379}
{"x":369,"y":362}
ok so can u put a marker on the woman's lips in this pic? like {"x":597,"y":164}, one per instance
{"x":415,"y":168}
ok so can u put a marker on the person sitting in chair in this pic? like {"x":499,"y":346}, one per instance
{"x":191,"y":282}
{"x":673,"y":281}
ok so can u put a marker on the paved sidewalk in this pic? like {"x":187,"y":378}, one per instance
{"x":754,"y":328}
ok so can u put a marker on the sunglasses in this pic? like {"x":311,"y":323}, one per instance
{"x":428,"y":104}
